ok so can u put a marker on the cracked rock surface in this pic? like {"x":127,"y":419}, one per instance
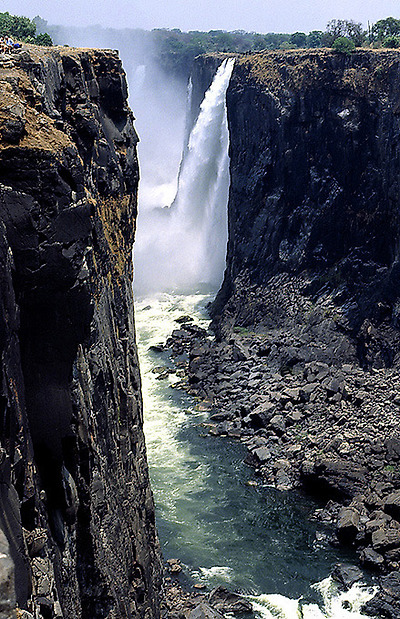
{"x":76,"y":504}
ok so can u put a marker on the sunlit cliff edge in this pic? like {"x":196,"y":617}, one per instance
{"x":77,"y":515}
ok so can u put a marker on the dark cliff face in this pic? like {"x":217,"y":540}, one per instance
{"x":75,"y":497}
{"x":315,"y":151}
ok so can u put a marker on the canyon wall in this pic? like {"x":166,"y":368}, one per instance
{"x":314,"y":198}
{"x":76,"y":507}
{"x":305,"y":367}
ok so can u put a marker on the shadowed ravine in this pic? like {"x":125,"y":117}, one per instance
{"x":211,"y":514}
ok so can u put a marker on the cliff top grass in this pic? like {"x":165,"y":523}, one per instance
{"x":364,"y":70}
{"x":22,"y":123}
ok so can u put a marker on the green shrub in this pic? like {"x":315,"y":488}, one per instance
{"x":343,"y":45}
{"x":44,"y":39}
{"x":391,"y":41}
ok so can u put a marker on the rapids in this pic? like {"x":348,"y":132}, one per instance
{"x":210,"y":516}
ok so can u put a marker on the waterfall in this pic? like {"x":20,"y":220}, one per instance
{"x":184,"y":244}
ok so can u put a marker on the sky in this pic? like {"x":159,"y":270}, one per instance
{"x":250,"y":15}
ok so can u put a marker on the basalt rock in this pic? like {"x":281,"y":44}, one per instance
{"x":75,"y":501}
{"x":314,"y":200}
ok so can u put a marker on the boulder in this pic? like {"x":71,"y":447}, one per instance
{"x":393,"y":448}
{"x":346,"y":575}
{"x":391,"y":585}
{"x":347,"y":524}
{"x":392,"y":505}
{"x":387,"y":601}
{"x":262,"y":454}
{"x":277,"y":424}
{"x":228,"y":602}
{"x":204,"y":611}
{"x":385,"y":539}
{"x":337,"y":477}
{"x":371,"y":559}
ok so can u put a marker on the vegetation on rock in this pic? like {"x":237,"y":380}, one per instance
{"x":23,"y":29}
{"x":344,"y":45}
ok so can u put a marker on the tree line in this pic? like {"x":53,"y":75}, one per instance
{"x":177,"y":49}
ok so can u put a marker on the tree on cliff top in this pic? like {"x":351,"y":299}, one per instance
{"x":21,"y":28}
{"x":384,"y":28}
{"x":350,"y":29}
{"x":344,"y":45}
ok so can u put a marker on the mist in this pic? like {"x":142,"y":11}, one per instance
{"x":159,"y":103}
{"x":181,"y":231}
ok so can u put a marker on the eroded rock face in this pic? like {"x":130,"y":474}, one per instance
{"x":305,"y":369}
{"x":75,"y":497}
{"x":314,"y":194}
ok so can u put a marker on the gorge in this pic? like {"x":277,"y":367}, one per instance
{"x":304,"y":368}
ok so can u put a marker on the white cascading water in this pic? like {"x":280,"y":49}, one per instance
{"x":184,"y":245}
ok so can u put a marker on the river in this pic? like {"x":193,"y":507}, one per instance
{"x":212,"y":513}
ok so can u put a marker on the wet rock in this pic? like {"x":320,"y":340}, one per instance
{"x":204,"y":611}
{"x":174,"y":566}
{"x":338,"y":476}
{"x":346,"y":575}
{"x":282,"y":480}
{"x":371,"y":559}
{"x":262,"y":454}
{"x":184,"y":319}
{"x":157,"y":348}
{"x":347,"y":524}
{"x":227,"y":602}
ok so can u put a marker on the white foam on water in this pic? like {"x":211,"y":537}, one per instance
{"x":220,"y":572}
{"x":335,"y":604}
{"x":163,"y":416}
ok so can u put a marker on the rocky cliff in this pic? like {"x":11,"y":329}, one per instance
{"x":305,"y":369}
{"x":314,"y":193}
{"x":76,"y":506}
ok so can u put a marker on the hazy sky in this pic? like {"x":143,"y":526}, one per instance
{"x":251,"y":15}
